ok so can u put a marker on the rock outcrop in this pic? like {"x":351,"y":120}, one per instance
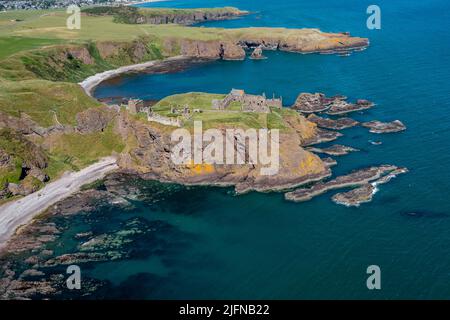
{"x":151,"y":159}
{"x":80,"y":53}
{"x":354,"y":179}
{"x":311,"y":102}
{"x":338,"y":107}
{"x":384,"y":127}
{"x":257,"y":53}
{"x":212,"y":50}
{"x":300,"y":40}
{"x":334,"y":150}
{"x":134,"y":15}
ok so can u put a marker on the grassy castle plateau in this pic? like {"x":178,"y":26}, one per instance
{"x":49,"y":124}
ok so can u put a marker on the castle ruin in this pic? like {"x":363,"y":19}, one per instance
{"x":249,"y":102}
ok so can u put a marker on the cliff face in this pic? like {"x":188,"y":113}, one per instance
{"x":75,"y":62}
{"x":133,"y":15}
{"x":212,"y":50}
{"x":298,"y":40}
{"x":151,"y":159}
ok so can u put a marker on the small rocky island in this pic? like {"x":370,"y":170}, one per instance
{"x":384,"y":127}
{"x":327,"y":123}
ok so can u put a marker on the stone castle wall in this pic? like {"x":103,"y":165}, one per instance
{"x":167,"y":121}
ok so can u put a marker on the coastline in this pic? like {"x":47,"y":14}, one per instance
{"x":90,"y":83}
{"x":141,"y":2}
{"x":21,"y":212}
{"x":15,"y":214}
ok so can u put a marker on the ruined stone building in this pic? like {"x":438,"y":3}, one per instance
{"x":250,"y":102}
{"x":135,"y":106}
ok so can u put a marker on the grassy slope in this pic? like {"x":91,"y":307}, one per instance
{"x":11,"y":45}
{"x":48,"y":103}
{"x":52,"y":25}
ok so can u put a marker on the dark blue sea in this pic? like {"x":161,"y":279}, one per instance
{"x":209,"y":243}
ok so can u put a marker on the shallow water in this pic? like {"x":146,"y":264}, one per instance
{"x":208,"y":243}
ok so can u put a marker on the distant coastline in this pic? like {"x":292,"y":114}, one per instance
{"x":142,"y":2}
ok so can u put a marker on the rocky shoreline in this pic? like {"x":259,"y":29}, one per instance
{"x":334,"y":150}
{"x":356,"y":178}
{"x":90,"y":83}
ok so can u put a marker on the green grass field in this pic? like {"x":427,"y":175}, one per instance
{"x":232,"y":117}
{"x":79,"y":150}
{"x":47,"y":103}
{"x":11,"y":45}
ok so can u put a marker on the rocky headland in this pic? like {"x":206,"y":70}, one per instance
{"x":334,"y":150}
{"x":322,"y":136}
{"x":134,"y":15}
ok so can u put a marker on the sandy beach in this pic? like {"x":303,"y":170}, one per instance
{"x":91,"y":82}
{"x":22,"y":211}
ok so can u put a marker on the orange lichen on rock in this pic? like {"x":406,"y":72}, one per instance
{"x":311,"y":164}
{"x":203,"y":168}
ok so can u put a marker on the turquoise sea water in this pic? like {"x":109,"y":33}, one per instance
{"x":211,"y":244}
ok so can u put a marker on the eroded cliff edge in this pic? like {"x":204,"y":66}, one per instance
{"x":134,"y":15}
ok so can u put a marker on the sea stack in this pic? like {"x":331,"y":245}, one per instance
{"x":257,"y":54}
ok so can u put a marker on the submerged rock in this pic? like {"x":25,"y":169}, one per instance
{"x":83,"y":257}
{"x":384,"y":127}
{"x":318,"y":102}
